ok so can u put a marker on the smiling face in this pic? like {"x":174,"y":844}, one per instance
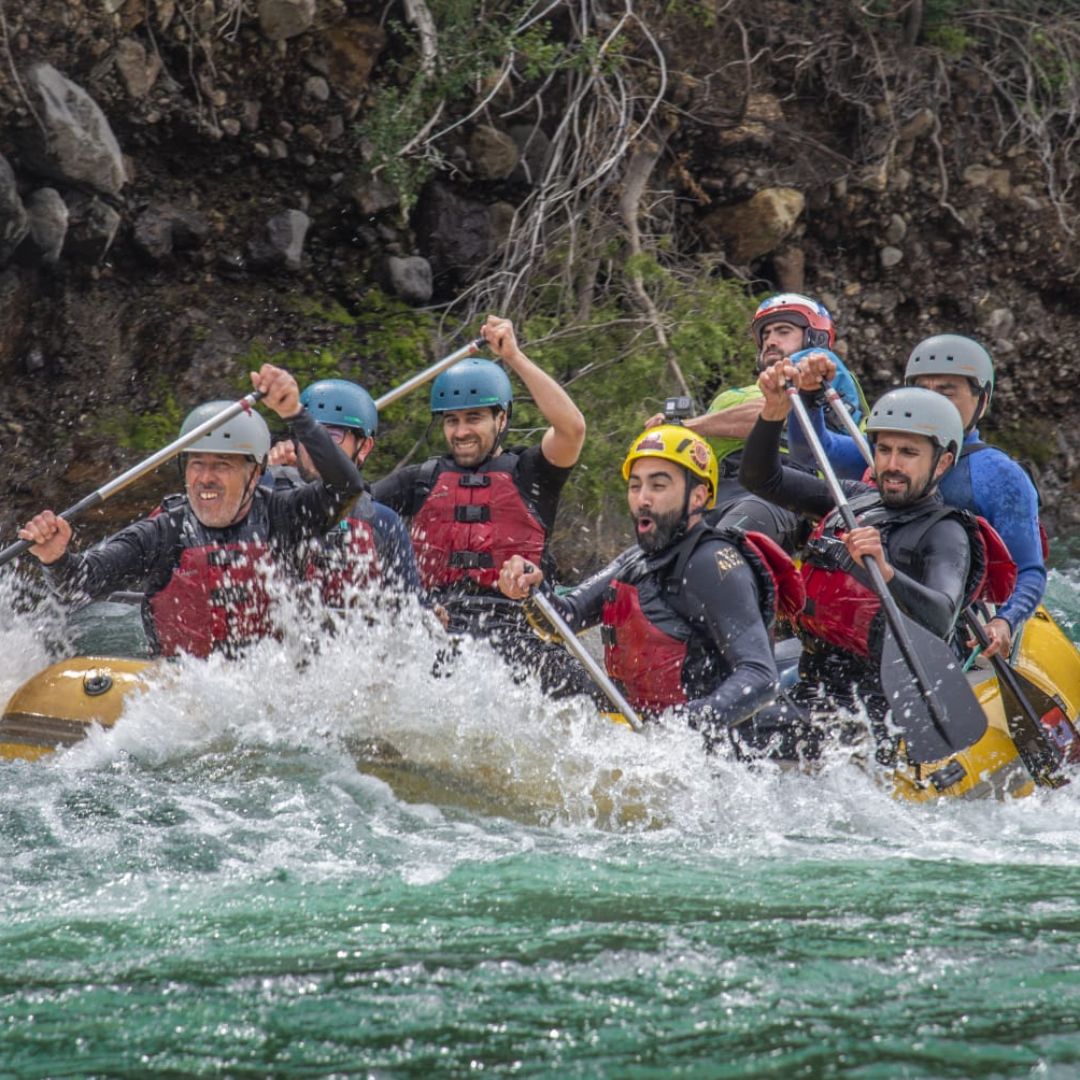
{"x":471,"y":434}
{"x":959,"y":390}
{"x":219,"y":487}
{"x":902,"y":465}
{"x":656,"y":492}
{"x":353,"y":444}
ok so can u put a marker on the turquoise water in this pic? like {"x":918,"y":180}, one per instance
{"x":214,"y":887}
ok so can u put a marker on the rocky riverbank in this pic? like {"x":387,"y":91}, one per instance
{"x":189,"y":185}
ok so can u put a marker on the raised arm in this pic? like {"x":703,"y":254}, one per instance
{"x":565,"y":437}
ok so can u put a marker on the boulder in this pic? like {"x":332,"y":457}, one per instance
{"x":48,"y":223}
{"x":534,"y":146}
{"x":280,"y":20}
{"x":161,"y":230}
{"x":137,"y":68}
{"x":74,"y":142}
{"x":756,"y":226}
{"x":14,"y":222}
{"x":493,"y":153}
{"x":352,"y":47}
{"x":455,"y":232}
{"x":92,"y":229}
{"x":411,"y":278}
{"x":282,"y":243}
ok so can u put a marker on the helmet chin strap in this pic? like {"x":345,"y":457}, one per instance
{"x":248,"y":495}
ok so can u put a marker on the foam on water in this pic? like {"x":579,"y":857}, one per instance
{"x":473,"y":740}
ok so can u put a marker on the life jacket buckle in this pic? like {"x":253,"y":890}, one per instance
{"x":471,"y":560}
{"x":472,"y":515}
{"x":474,"y":480}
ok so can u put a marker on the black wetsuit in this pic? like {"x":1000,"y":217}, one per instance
{"x":712,"y":602}
{"x":929,"y":550}
{"x":148,"y":551}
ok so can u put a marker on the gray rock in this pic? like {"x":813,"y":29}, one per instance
{"x":373,"y":195}
{"x":77,"y":145}
{"x":161,"y":230}
{"x":317,"y":87}
{"x":14,"y":221}
{"x":493,"y":153}
{"x":534,"y":148}
{"x":283,"y":19}
{"x":411,"y":278}
{"x":93,"y":227}
{"x":757,"y":226}
{"x":896,"y":230}
{"x":282,"y":245}
{"x":48,"y":223}
{"x":890,"y":256}
{"x":1000,"y":323}
{"x":455,"y":232}
{"x":137,"y":68}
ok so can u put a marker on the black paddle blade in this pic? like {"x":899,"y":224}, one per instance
{"x":944,"y":719}
{"x":1024,"y":704}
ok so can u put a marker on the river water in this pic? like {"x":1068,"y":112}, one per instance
{"x":214,"y":887}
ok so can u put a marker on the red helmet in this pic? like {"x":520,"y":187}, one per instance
{"x":800,"y":310}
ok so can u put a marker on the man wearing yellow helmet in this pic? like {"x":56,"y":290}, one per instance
{"x":686,"y":613}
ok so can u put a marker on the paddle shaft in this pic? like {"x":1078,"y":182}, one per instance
{"x":838,"y":407}
{"x":873,"y":570}
{"x":587,"y":660}
{"x":96,"y":498}
{"x":428,"y":373}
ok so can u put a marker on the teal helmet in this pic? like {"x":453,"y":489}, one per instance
{"x":341,"y":403}
{"x":246,"y":433}
{"x":470,"y":384}
{"x":952,"y":354}
{"x":917,"y":411}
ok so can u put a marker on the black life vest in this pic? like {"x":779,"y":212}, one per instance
{"x":840,"y":609}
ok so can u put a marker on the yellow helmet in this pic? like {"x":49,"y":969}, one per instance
{"x":673,"y":442}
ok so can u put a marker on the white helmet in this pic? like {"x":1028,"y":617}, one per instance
{"x":246,"y":433}
{"x":917,"y":411}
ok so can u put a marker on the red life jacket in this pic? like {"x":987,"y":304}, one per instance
{"x":347,"y":558}
{"x":215,"y":600}
{"x":840,"y":609}
{"x":471,"y":521}
{"x":646,"y":659}
{"x":350,"y":562}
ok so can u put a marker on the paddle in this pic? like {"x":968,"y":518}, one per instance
{"x":96,"y":498}
{"x":428,"y":373}
{"x":1024,"y":703}
{"x":586,"y":659}
{"x":929,"y":695}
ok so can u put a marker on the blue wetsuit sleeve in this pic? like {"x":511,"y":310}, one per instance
{"x":841,"y":450}
{"x":1006,"y":497}
{"x":395,"y":548}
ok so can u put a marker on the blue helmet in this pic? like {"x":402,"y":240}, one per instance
{"x":469,"y":384}
{"x":341,"y":403}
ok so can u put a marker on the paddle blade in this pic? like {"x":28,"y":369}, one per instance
{"x":944,"y":716}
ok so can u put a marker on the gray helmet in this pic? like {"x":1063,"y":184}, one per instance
{"x":917,"y":411}
{"x":952,"y":354}
{"x":246,"y":433}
